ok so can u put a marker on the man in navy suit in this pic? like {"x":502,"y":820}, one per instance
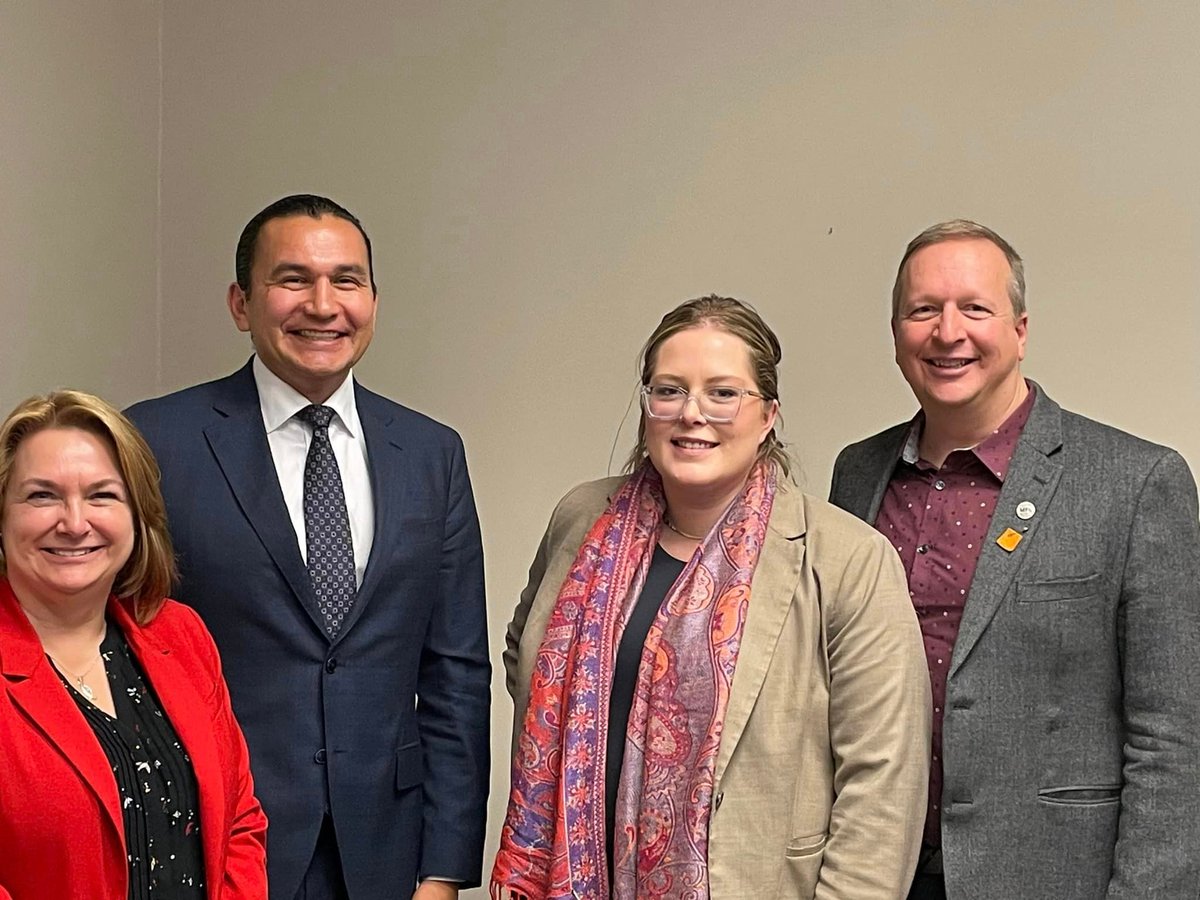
{"x":329,"y":539}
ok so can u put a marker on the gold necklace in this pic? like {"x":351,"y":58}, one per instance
{"x":82,"y":687}
{"x":690,"y":537}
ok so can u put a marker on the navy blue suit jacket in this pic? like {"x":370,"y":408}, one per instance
{"x":386,"y":726}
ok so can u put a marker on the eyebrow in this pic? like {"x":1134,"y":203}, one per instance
{"x":345,"y":269}
{"x":714,"y":381}
{"x":47,"y":483}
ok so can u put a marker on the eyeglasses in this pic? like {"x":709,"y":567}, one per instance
{"x":719,"y":404}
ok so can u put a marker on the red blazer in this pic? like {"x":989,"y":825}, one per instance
{"x":60,"y":821}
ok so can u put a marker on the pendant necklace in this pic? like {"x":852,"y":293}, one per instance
{"x":690,"y":537}
{"x":82,"y":687}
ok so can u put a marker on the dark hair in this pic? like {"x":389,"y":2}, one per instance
{"x":742,"y":321}
{"x":309,"y":205}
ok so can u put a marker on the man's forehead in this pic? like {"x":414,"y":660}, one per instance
{"x":958,"y":254}
{"x":959,"y":248}
{"x":302,"y":223}
{"x":309,"y":234}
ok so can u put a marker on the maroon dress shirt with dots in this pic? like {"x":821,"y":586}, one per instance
{"x":937,"y":519}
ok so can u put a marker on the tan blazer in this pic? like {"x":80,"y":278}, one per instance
{"x":822,"y":777}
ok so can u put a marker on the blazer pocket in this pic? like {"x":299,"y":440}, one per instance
{"x":809,"y":845}
{"x":1079,"y":588}
{"x":410,"y":770}
{"x":1081,"y":795}
{"x":802,"y":866}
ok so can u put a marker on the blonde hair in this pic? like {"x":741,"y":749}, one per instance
{"x":742,"y":321}
{"x":147,"y":576}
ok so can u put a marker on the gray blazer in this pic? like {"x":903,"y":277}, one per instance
{"x":1072,"y":721}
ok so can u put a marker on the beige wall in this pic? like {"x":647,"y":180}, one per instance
{"x":543,"y":180}
{"x":79,"y":92}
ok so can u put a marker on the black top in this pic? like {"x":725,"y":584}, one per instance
{"x":159,"y":801}
{"x":664,"y":570}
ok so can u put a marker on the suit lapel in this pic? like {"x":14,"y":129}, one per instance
{"x":38,"y":692}
{"x":1033,"y":476}
{"x":862,"y":487}
{"x":238,"y":440}
{"x":771,"y":593}
{"x":185,"y":707}
{"x":385,"y":459}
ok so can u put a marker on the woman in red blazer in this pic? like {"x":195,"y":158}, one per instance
{"x":124,"y":773}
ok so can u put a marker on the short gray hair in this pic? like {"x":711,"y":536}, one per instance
{"x":965,"y":230}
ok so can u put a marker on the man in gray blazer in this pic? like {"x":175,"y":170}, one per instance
{"x":1054,"y":563}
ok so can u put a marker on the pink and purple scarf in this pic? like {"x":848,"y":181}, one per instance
{"x":552,"y":846}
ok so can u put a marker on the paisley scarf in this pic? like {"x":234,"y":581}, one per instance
{"x":552,"y":846}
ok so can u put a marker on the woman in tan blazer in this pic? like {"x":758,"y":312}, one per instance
{"x":719,"y":682}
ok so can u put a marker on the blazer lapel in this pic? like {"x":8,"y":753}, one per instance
{"x":1033,"y":476}
{"x":184,"y":704}
{"x":385,"y":459}
{"x":771,"y":593}
{"x":37,"y":690}
{"x":861,"y":488}
{"x":238,"y":440}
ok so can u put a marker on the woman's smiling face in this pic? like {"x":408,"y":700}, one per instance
{"x":699,"y":459}
{"x":67,"y":523}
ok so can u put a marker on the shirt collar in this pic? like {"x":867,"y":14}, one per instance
{"x":280,"y":401}
{"x":912,"y":441}
{"x":995,"y":451}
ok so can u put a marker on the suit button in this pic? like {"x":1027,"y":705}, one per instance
{"x":330,"y":665}
{"x":319,"y":757}
{"x":718,"y":800}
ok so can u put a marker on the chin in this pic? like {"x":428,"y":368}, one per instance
{"x":700,"y":479}
{"x":954,"y":397}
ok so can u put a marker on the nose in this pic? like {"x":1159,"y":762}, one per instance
{"x":321,"y":301}
{"x":691,"y":411}
{"x":73,"y":520}
{"x":949,"y":328}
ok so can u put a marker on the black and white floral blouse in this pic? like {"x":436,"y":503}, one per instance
{"x":159,"y":799}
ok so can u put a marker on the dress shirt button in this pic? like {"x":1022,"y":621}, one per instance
{"x":330,"y":665}
{"x":924,"y":548}
{"x":319,"y":757}
{"x":939,"y":485}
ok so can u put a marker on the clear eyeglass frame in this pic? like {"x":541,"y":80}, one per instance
{"x":727,"y":409}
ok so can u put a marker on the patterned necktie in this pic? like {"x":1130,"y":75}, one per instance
{"x":326,"y":524}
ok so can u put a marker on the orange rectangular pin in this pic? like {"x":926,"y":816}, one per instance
{"x":1009,"y":540}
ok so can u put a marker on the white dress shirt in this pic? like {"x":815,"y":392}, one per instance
{"x":289,"y":439}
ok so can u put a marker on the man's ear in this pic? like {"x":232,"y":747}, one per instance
{"x":237,"y":300}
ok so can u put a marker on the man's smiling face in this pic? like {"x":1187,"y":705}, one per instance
{"x":310,"y":309}
{"x":957,"y":340}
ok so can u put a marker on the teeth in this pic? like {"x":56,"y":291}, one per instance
{"x":83,"y":552}
{"x":319,"y":335}
{"x":694,"y":445}
{"x":949,"y":363}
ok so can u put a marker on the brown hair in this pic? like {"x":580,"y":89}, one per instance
{"x":965,"y":230}
{"x":148,"y":574}
{"x":742,"y":321}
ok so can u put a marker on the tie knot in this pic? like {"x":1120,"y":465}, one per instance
{"x":316,"y":416}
